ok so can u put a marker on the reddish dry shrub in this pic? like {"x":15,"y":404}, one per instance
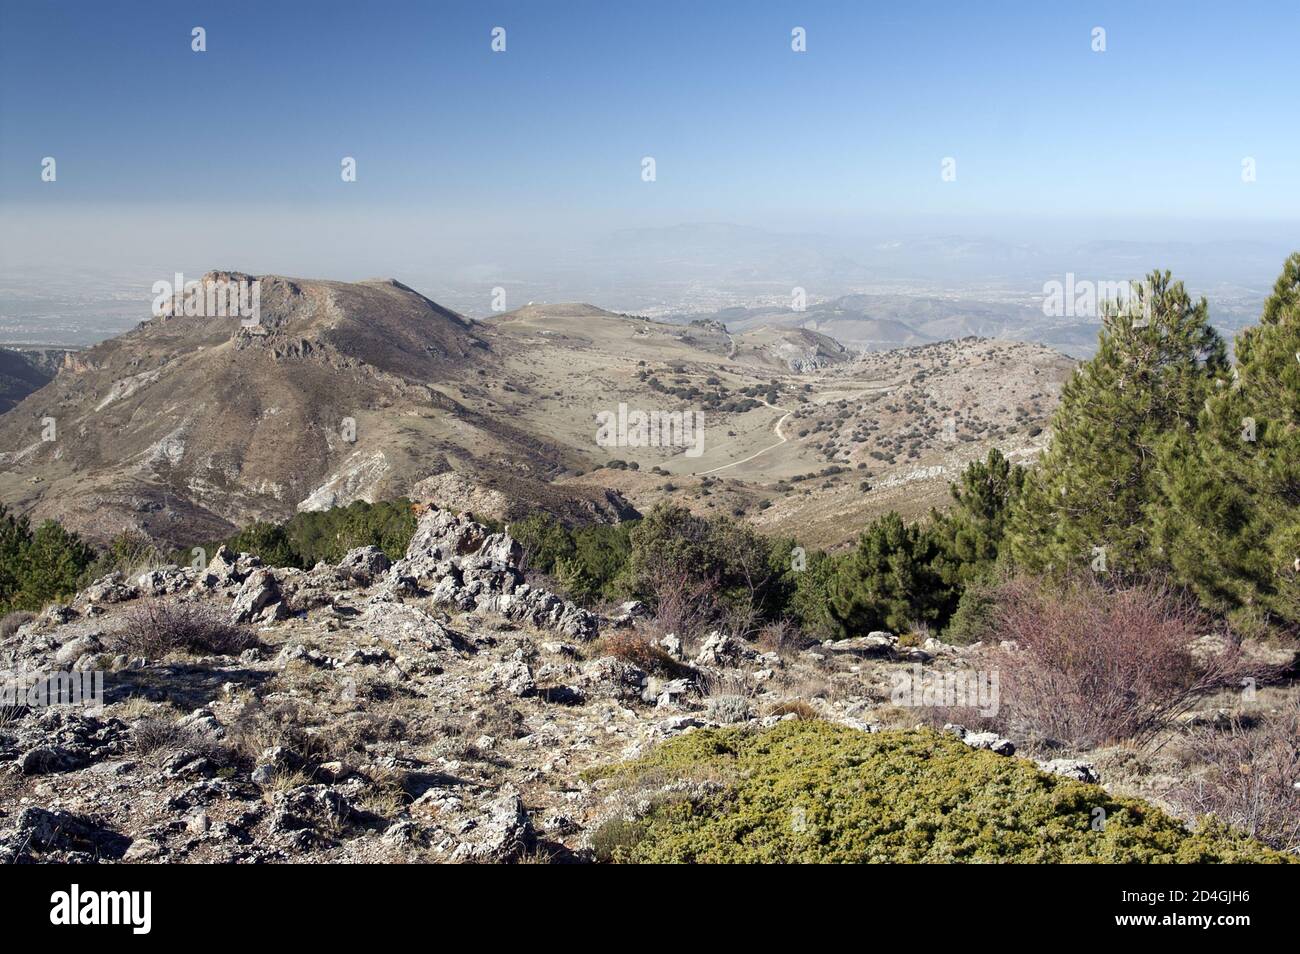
{"x":154,"y":628}
{"x":1250,"y":777}
{"x":800,"y":709}
{"x":1095,"y":664}
{"x":641,"y":652}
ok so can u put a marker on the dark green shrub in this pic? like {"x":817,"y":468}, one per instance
{"x":894,"y":580}
{"x":38,"y":567}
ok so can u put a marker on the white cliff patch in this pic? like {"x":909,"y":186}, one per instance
{"x":358,"y":480}
{"x":128,"y":386}
{"x":923,"y":473}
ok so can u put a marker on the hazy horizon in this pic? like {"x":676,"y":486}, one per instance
{"x":936,"y":150}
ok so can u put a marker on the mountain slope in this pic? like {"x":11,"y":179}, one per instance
{"x":190,"y":425}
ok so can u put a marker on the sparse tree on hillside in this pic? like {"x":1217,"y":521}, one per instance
{"x":809,"y":603}
{"x":673,"y":546}
{"x":268,"y":541}
{"x":51,"y":566}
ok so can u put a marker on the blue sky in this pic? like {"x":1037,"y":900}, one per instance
{"x":551,"y":133}
{"x":1038,"y":122}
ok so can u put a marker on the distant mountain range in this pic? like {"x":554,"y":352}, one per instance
{"x":701,"y":270}
{"x":881,"y":322}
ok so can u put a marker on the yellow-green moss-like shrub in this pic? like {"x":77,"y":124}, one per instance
{"x":811,"y":791}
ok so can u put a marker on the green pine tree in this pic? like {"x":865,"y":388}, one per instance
{"x":1156,"y":362}
{"x":55,"y":562}
{"x":1229,"y":522}
{"x":809,"y":601}
{"x":972,"y":532}
{"x":893,"y":580}
{"x":15,"y":544}
{"x":579,"y":585}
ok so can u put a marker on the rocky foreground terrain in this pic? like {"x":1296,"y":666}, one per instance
{"x":439,"y":708}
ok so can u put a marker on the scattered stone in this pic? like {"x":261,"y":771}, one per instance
{"x":166,"y":580}
{"x":674,"y":693}
{"x":876,"y":645}
{"x":860,"y":724}
{"x":719,"y":649}
{"x":76,"y":837}
{"x":612,"y":678}
{"x":365,"y":564}
{"x":61,"y":739}
{"x":257,"y":593}
{"x":677,"y":725}
{"x":75,"y":649}
{"x":109,"y":589}
{"x":991,"y":741}
{"x":503,"y":835}
{"x":514,"y":676}
{"x":1072,"y":768}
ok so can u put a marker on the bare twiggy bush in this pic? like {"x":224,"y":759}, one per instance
{"x":387,"y":795}
{"x":969,"y":717}
{"x":9,"y":625}
{"x":715,"y":685}
{"x":1250,"y":777}
{"x":783,"y":638}
{"x":685,"y":603}
{"x":1095,"y":664}
{"x":729,"y":709}
{"x":154,"y":738}
{"x":261,"y":726}
{"x":154,"y":629}
{"x":153,"y":734}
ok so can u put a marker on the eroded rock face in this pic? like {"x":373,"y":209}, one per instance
{"x":63,"y":738}
{"x":38,"y":832}
{"x":365,"y":564}
{"x":259,"y":591}
{"x":722,"y":650}
{"x":443,"y":535}
{"x":109,"y":589}
{"x":504,"y":834}
{"x":462,"y":565}
{"x":612,"y":678}
{"x":875,"y":645}
{"x":166,"y":580}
